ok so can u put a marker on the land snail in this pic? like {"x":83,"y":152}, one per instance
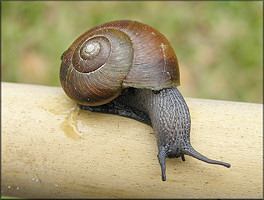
{"x":130,"y":69}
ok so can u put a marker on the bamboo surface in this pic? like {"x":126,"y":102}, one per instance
{"x":50,"y":149}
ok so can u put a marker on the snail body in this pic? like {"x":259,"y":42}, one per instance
{"x":130,"y":69}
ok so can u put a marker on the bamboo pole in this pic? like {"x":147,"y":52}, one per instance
{"x":52,"y":150}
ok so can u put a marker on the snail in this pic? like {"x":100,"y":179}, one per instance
{"x":130,"y":69}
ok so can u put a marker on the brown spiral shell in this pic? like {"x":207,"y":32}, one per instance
{"x":115,"y":56}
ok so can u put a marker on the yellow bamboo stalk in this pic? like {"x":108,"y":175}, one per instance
{"x":52,"y":150}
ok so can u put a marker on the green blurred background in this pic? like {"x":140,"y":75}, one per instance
{"x":219,"y":45}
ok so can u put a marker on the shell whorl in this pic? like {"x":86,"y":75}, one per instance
{"x":87,"y":79}
{"x":114,"y":56}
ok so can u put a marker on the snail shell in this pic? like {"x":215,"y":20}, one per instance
{"x":114,"y":56}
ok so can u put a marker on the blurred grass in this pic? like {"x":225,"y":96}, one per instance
{"x":219,"y":45}
{"x":5,"y":197}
